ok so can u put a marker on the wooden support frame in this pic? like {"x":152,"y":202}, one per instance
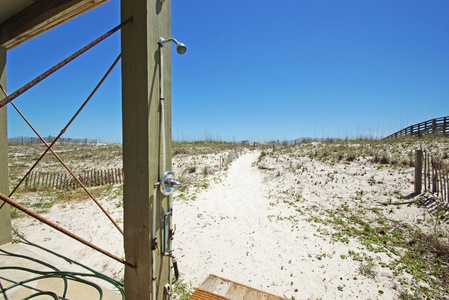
{"x":5,"y":216}
{"x":39,"y":17}
{"x":142,"y":149}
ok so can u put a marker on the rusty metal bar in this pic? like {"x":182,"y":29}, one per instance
{"x":50,"y":71}
{"x":65,"y":128}
{"x":49,"y":147}
{"x":63,"y":230}
{"x":62,"y":162}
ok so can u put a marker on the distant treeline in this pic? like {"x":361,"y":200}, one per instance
{"x":50,"y":139}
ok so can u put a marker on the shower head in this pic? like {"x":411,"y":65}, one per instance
{"x":180,"y":47}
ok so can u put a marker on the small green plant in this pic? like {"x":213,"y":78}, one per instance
{"x":16,"y":213}
{"x":182,"y":290}
{"x":368,"y":269}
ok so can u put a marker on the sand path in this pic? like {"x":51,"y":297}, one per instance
{"x":232,"y":230}
{"x":226,"y":227}
{"x":236,"y":230}
{"x":227,"y":231}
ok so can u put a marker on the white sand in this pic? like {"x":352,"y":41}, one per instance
{"x":246,"y":227}
{"x":229,"y":234}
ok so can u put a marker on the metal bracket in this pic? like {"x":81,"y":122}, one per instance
{"x":167,"y":289}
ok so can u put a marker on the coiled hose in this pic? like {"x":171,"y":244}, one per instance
{"x":54,"y":273}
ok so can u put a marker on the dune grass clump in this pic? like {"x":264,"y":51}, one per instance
{"x":419,"y":260}
{"x":424,"y":256}
{"x":202,"y":147}
{"x":394,"y":152}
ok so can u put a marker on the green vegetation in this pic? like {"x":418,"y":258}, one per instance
{"x":201,"y":147}
{"x":420,"y":260}
{"x":182,"y":290}
{"x":40,"y":201}
{"x":81,"y":157}
{"x":393,"y":152}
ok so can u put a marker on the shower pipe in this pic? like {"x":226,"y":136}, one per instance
{"x":181,"y":49}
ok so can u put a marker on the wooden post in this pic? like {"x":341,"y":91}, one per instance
{"x":64,"y":182}
{"x":445,"y":123}
{"x":446,"y":181}
{"x":443,"y":182}
{"x":418,"y":171}
{"x":434,"y":177}
{"x":142,"y":154}
{"x":58,"y":181}
{"x":37,"y":179}
{"x":5,"y":214}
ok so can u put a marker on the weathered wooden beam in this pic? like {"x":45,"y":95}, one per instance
{"x":5,"y":216}
{"x":142,"y":156}
{"x":40,"y":17}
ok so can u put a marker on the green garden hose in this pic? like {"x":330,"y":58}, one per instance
{"x":54,"y":273}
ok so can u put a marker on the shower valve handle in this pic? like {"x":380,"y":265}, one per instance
{"x":169,"y":183}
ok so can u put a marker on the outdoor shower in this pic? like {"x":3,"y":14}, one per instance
{"x":167,"y":183}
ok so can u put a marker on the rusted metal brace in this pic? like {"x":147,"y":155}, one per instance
{"x":58,"y":158}
{"x":63,"y":230}
{"x":50,"y":71}
{"x":49,"y":147}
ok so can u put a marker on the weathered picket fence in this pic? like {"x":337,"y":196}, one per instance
{"x":226,"y":159}
{"x":432,"y":173}
{"x":64,"y":181}
{"x":21,"y":140}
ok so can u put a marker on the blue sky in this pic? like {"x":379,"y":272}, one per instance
{"x":257,"y":70}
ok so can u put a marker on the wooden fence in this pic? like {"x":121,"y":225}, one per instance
{"x":226,"y":159}
{"x":65,"y":181}
{"x":432,"y":174}
{"x":21,"y":140}
{"x":433,"y":126}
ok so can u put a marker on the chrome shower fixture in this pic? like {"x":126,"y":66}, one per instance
{"x":180,"y":47}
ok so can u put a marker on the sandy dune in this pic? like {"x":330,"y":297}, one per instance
{"x":230,"y":233}
{"x":263,"y":221}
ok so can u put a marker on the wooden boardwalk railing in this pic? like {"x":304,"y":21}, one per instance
{"x":432,"y":174}
{"x":64,"y":181}
{"x":432,"y":126}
